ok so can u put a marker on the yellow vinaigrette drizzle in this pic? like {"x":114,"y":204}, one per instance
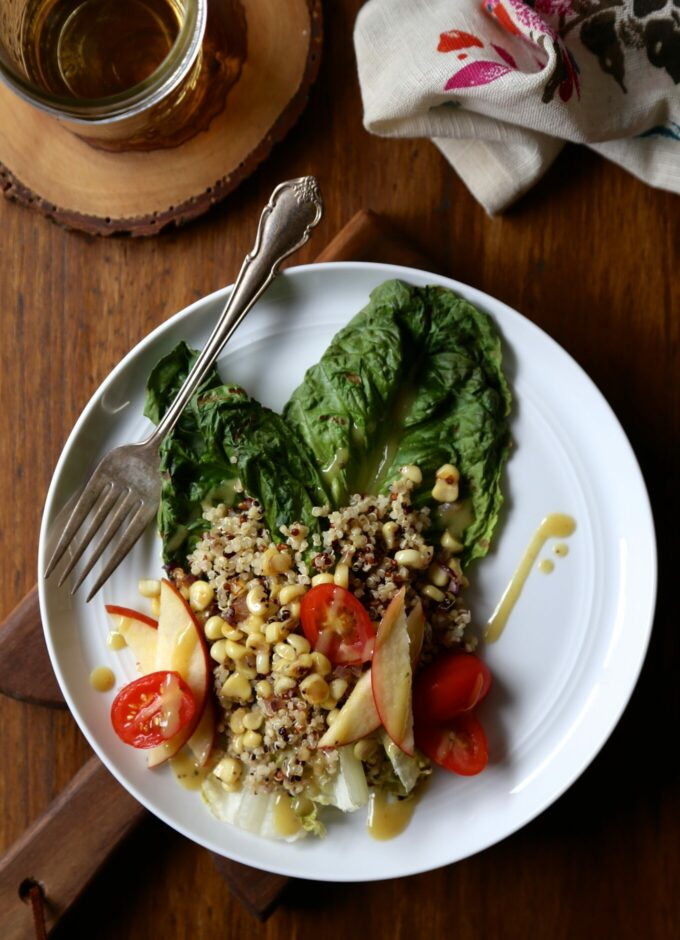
{"x":556,"y":525}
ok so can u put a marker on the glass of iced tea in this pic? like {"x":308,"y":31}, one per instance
{"x":122,"y":74}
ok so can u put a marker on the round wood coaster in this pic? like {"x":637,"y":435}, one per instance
{"x":273,"y":61}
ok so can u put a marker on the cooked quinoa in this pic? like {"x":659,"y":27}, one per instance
{"x":277,"y":695}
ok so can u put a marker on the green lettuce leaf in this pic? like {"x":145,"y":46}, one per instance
{"x":223,"y":436}
{"x":414,"y":378}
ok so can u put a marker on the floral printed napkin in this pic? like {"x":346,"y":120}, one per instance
{"x":500,"y":85}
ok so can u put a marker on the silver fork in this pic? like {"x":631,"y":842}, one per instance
{"x":125,"y":486}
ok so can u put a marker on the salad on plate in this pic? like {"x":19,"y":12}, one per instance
{"x":309,"y":645}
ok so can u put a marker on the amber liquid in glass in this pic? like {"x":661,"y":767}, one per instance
{"x":92,"y":49}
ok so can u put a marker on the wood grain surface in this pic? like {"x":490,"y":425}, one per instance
{"x":590,"y":255}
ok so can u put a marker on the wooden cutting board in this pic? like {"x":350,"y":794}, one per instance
{"x":65,"y":848}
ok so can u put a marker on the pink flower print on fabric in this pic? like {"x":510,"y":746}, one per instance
{"x":479,"y":71}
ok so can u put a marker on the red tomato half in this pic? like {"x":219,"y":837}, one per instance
{"x":337,"y":624}
{"x":459,"y":746}
{"x":152,"y":709}
{"x":452,"y":684}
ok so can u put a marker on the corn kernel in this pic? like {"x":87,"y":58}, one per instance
{"x":228,"y":770}
{"x":272,"y":632}
{"x":201,"y":595}
{"x":263,"y":662}
{"x":218,"y":651}
{"x":264,"y":689}
{"x":299,"y":643}
{"x":244,"y":668}
{"x":365,"y":749}
{"x":410,"y":558}
{"x":338,"y":687}
{"x":285,"y":651}
{"x":321,"y":663}
{"x":237,"y":686}
{"x":256,"y":601}
{"x":314,"y":689}
{"x":412,"y":473}
{"x":148,"y":587}
{"x":251,"y":740}
{"x":438,"y":575}
{"x":341,"y":576}
{"x":231,"y":633}
{"x":305,"y":661}
{"x":324,"y":578}
{"x":213,"y":628}
{"x":390,"y":531}
{"x":331,"y":716}
{"x":236,"y":721}
{"x":290,"y":592}
{"x":237,"y":744}
{"x":253,"y":720}
{"x":283,"y":684}
{"x":445,"y":492}
{"x":275,"y":562}
{"x":429,"y":590}
{"x":235,"y":650}
{"x":257,"y":641}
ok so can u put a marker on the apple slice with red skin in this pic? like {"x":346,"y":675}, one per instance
{"x":140,"y":633}
{"x":392,"y":675}
{"x":202,"y":740}
{"x":359,"y":716}
{"x":180,"y":648}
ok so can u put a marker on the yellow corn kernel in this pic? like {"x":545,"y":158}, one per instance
{"x":256,"y":601}
{"x":237,"y":744}
{"x":228,"y":770}
{"x":412,"y":473}
{"x":323,"y":578}
{"x":244,"y":668}
{"x":253,"y":720}
{"x":321,"y":663}
{"x":338,"y":687}
{"x":331,"y":716}
{"x":214,"y":627}
{"x":450,"y":543}
{"x":438,"y":575}
{"x":290,"y":592}
{"x":285,"y":651}
{"x":305,"y":661}
{"x":237,"y":686}
{"x":341,"y":576}
{"x":251,"y":740}
{"x":149,"y":587}
{"x":299,"y":643}
{"x":410,"y":558}
{"x":263,"y":662}
{"x":235,"y":651}
{"x":218,"y":651}
{"x":156,"y":606}
{"x":429,"y":590}
{"x":314,"y":689}
{"x":445,"y":489}
{"x":232,"y":633}
{"x":253,"y":624}
{"x":236,"y":720}
{"x":283,"y":684}
{"x":257,"y":641}
{"x":264,"y":689}
{"x":293,"y":609}
{"x":275,"y":562}
{"x":390,"y":530}
{"x":201,"y":595}
{"x":273,"y":633}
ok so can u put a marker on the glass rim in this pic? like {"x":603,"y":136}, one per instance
{"x":123,"y":104}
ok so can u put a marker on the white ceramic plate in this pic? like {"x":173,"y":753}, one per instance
{"x":564,"y":667}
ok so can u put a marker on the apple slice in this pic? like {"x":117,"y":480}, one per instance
{"x":357,"y":717}
{"x":202,"y":740}
{"x":415,"y":624}
{"x":180,"y":647}
{"x":140,"y":633}
{"x":392,"y":675}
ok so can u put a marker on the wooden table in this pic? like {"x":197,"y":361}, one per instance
{"x":591,"y":256}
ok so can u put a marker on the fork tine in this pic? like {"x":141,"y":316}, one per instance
{"x":122,"y":509}
{"x":85,"y":502}
{"x":135,"y":528}
{"x":107,"y":498}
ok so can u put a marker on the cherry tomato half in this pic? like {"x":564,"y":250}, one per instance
{"x":152,"y":709}
{"x":337,"y":624}
{"x":452,"y":684}
{"x":459,"y":746}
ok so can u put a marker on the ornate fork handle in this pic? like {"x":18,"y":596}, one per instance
{"x":294,"y":209}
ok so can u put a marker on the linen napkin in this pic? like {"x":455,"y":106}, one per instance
{"x":500,"y":85}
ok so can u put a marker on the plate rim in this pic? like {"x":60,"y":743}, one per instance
{"x":475,"y":296}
